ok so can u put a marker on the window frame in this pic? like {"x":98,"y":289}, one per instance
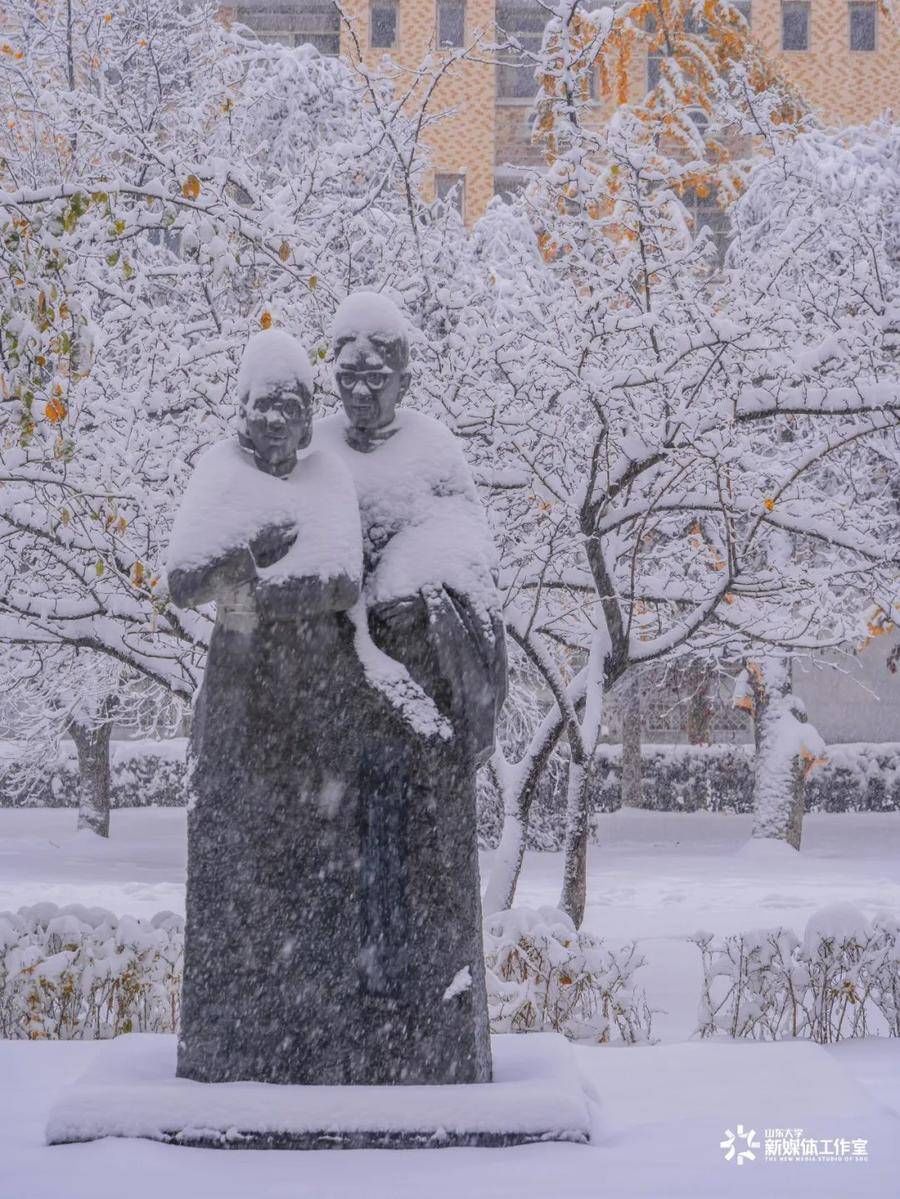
{"x":272,"y":21}
{"x":797,"y":4}
{"x":458,"y":181}
{"x":455,"y":4}
{"x":507,"y":71}
{"x":855,"y":5}
{"x":385,"y":4}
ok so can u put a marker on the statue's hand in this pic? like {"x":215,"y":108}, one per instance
{"x":399,"y":615}
{"x":237,"y":568}
{"x":272,"y":543}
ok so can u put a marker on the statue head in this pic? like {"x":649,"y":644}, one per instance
{"x":371,"y":354}
{"x":275,"y":388}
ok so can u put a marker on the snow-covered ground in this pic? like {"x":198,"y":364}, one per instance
{"x":661,"y":1111}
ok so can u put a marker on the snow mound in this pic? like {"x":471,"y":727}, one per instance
{"x":770,"y":850}
{"x":368,"y":312}
{"x":422,"y":520}
{"x":839,"y":922}
{"x":459,"y":984}
{"x":229,"y":501}
{"x":272,"y":357}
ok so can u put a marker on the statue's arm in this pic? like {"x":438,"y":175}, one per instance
{"x":306,"y":596}
{"x":190,"y":586}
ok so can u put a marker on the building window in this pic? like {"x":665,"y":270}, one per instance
{"x":450,"y":190}
{"x":383,"y":24}
{"x":654,"y":72}
{"x":706,"y":213}
{"x":862,"y":26}
{"x":795,"y":25}
{"x":306,"y":22}
{"x":510,"y":184}
{"x":451,"y":23}
{"x":524,"y":23}
{"x":700,"y":119}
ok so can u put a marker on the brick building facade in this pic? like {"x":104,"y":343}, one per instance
{"x":844,"y":56}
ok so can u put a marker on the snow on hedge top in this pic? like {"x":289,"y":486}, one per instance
{"x":229,"y":501}
{"x":422,"y":521}
{"x":837,"y":922}
{"x":273,"y":357}
{"x":368,"y":312}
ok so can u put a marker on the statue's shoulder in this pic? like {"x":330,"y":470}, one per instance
{"x":328,"y":432}
{"x":325,"y":468}
{"x":220,"y":455}
{"x":215,"y":467}
{"x":426,"y":427}
{"x":429,"y":441}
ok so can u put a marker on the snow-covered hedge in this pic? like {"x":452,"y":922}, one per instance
{"x":144,"y":773}
{"x":77,"y":973}
{"x":857,"y":778}
{"x":860,"y":777}
{"x":841,"y":980}
{"x":543,"y":974}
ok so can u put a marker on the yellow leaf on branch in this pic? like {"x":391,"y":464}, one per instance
{"x":191,"y":187}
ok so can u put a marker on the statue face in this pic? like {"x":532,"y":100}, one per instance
{"x":279,"y":423}
{"x":369,"y":387}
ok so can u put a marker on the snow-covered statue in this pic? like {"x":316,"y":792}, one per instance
{"x":353,"y":678}
{"x":272,"y":535}
{"x":430,"y":604}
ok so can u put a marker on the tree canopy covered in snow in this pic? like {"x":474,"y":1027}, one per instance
{"x":684,"y":449}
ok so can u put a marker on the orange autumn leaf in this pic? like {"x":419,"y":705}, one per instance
{"x":55,"y":410}
{"x":191,"y":187}
{"x":137,"y":574}
{"x":265,"y":321}
{"x":769,"y":504}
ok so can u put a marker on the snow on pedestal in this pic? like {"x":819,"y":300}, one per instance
{"x":536,"y":1095}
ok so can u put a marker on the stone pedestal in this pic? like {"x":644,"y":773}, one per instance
{"x":536,"y":1095}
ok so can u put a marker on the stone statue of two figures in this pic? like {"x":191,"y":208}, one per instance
{"x":354,"y":675}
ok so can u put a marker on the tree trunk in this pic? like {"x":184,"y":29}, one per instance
{"x":574,"y":889}
{"x":787,"y":747}
{"x":501,"y":885}
{"x":700,"y":706}
{"x":630,"y":709}
{"x":92,"y":746}
{"x":583,"y":740}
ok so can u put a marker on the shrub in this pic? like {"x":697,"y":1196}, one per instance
{"x":544,"y":974}
{"x":842,"y":980}
{"x":78,"y":973}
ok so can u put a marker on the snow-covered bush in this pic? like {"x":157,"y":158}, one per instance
{"x":841,"y":980}
{"x":544,"y":974}
{"x":77,"y":973}
{"x":142,"y":774}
